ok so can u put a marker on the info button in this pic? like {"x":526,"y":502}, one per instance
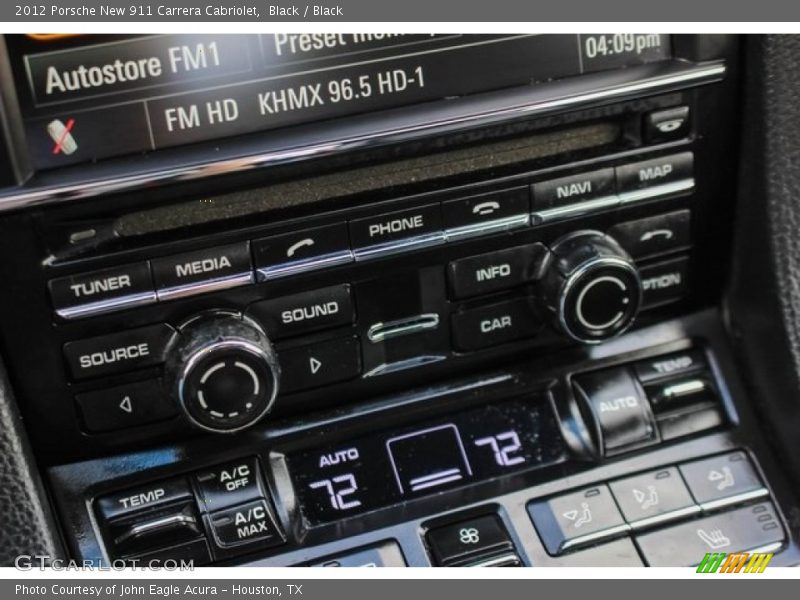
{"x":397,"y":232}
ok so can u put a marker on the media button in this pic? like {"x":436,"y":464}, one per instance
{"x":118,"y":352}
{"x":400,"y":231}
{"x":302,"y":251}
{"x":102,"y":291}
{"x":487,"y":213}
{"x":324,"y":308}
{"x":201,"y":271}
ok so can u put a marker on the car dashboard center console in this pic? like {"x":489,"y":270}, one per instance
{"x":358,"y":300}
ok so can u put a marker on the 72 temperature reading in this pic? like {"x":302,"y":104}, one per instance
{"x":338,"y":488}
{"x":504,"y":446}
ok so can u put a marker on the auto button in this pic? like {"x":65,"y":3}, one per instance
{"x":621,"y":412}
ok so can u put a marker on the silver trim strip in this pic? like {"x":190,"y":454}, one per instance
{"x":404,"y":245}
{"x":737,"y":499}
{"x":302,"y":266}
{"x":497,"y":561}
{"x":574,"y":210}
{"x":684,"y":185}
{"x":489,"y":227}
{"x":402,"y":365}
{"x":663,"y":518}
{"x":205,"y":287}
{"x":564,"y":95}
{"x":105,"y":306}
{"x":597,"y":535}
{"x":380,"y":332}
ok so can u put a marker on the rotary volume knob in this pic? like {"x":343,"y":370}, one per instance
{"x":592,"y":287}
{"x":223,"y":372}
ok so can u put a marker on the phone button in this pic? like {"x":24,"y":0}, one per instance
{"x":301,"y":251}
{"x":580,"y":518}
{"x":486,"y":214}
{"x":654,"y":235}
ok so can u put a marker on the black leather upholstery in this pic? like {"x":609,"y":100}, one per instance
{"x":26,"y":521}
{"x":764,"y":299}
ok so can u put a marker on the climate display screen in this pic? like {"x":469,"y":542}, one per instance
{"x":86,"y":99}
{"x":378,"y":470}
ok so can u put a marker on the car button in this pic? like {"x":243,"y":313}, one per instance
{"x":742,"y":530}
{"x":653,"y":497}
{"x":495,"y":271}
{"x":655,"y":177}
{"x":664,"y":282}
{"x":667,"y":125}
{"x":118,"y":352}
{"x":464,"y":542}
{"x":244,"y":525}
{"x":127,"y":405}
{"x":573,"y":189}
{"x":387,"y":554}
{"x":320,"y":364}
{"x":487,"y":213}
{"x":654,"y":235}
{"x":620,"y":409}
{"x":103,"y":291}
{"x":229,"y":484}
{"x":324,"y":308}
{"x":670,"y":365}
{"x":722,"y":480}
{"x":577,"y":519}
{"x":144,"y":497}
{"x":302,"y":251}
{"x":400,"y":231}
{"x":202,"y":271}
{"x":493,"y":324}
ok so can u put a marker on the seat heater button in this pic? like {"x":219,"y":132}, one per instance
{"x":722,"y":480}
{"x":118,"y":352}
{"x":653,"y":497}
{"x":577,"y":519}
{"x":743,"y":530}
{"x":305,"y":312}
{"x":97,"y":292}
{"x":619,"y":407}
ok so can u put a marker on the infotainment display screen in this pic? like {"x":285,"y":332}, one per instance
{"x":85,"y":98}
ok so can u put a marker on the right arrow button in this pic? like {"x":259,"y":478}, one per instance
{"x":320,"y":364}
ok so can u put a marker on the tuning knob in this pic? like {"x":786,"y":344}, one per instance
{"x":591,"y":287}
{"x":223,"y":371}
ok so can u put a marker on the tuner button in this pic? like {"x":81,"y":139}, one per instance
{"x":223,"y":372}
{"x":592,"y":287}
